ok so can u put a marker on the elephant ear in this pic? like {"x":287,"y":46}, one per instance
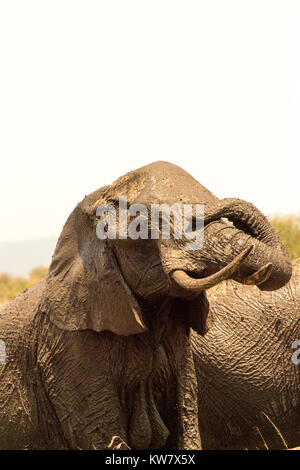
{"x":85,"y":288}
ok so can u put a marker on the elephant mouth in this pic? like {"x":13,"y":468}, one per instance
{"x":192,"y":284}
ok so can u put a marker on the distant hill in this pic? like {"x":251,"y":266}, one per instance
{"x":19,"y":258}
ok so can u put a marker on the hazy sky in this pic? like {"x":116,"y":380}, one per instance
{"x":92,"y":89}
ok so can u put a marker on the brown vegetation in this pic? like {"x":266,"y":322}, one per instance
{"x":288,"y":228}
{"x":11,"y":286}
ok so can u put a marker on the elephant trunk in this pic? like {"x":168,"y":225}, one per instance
{"x":248,"y":218}
{"x":250,"y":227}
{"x":198,"y":285}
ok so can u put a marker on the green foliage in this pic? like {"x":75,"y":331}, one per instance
{"x":11,"y":286}
{"x":288,"y":228}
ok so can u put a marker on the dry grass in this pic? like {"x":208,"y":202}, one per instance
{"x":288,"y":229}
{"x":11,"y":286}
{"x":117,"y":443}
{"x":276,"y":430}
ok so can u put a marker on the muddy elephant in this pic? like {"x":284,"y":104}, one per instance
{"x":99,"y":353}
{"x":248,"y":367}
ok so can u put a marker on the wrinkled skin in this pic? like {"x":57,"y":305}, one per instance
{"x":101,"y":348}
{"x":246,"y":376}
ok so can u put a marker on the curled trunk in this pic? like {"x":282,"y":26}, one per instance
{"x":253,"y":228}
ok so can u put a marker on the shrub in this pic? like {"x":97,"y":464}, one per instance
{"x":288,"y":228}
{"x":11,"y":286}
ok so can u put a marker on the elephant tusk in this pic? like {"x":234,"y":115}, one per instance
{"x":259,"y":276}
{"x":198,"y":285}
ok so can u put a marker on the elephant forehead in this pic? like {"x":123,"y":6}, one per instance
{"x":160,"y":182}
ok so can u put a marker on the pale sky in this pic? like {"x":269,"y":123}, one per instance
{"x":92,"y":89}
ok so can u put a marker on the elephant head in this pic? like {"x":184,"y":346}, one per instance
{"x":102,"y":285}
{"x":140,"y":296}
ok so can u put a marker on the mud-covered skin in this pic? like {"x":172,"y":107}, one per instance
{"x":101,"y":348}
{"x":76,"y":390}
{"x":27,"y":417}
{"x":246,"y":376}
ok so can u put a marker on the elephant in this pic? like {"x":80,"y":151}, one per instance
{"x":99,"y":353}
{"x":248,"y":367}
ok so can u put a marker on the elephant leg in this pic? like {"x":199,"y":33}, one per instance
{"x":78,"y":379}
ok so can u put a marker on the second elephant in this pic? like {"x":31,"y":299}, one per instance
{"x":248,"y":367}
